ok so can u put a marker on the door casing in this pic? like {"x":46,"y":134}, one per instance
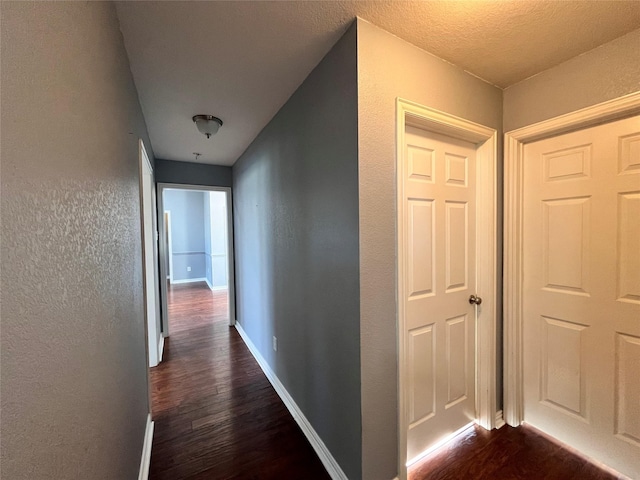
{"x":163,"y":249}
{"x":412,"y":114}
{"x":513,"y":232}
{"x":169,"y":244}
{"x":154,"y":351}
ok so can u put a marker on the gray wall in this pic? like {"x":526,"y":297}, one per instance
{"x":607,"y":72}
{"x":187,"y":232}
{"x":188,"y":173}
{"x":296,"y":245}
{"x":415,"y":75}
{"x":74,"y":376}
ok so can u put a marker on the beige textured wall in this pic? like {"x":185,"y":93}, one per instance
{"x":389,"y":68}
{"x":74,"y":377}
{"x":604,"y":73}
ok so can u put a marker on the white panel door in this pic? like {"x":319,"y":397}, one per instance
{"x":440,"y":247}
{"x":581,"y":292}
{"x":150,"y":259}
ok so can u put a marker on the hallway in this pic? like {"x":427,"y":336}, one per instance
{"x":216,"y":415}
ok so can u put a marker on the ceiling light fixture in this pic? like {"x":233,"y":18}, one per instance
{"x":207,"y":124}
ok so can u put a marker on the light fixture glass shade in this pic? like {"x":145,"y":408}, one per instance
{"x":207,"y":124}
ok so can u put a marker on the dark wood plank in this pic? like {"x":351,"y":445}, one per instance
{"x":507,"y":453}
{"x":216,"y":414}
{"x":217,"y":417}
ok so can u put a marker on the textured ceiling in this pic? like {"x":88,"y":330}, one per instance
{"x":241,"y":60}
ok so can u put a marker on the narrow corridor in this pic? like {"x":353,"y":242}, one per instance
{"x":216,"y":414}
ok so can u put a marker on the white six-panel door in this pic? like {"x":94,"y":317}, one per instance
{"x":440,"y":243}
{"x":581,"y":291}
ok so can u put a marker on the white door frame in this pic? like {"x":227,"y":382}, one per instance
{"x":411,"y":114}
{"x":169,"y":244}
{"x":163,"y":247}
{"x":154,"y":348}
{"x":513,"y":232}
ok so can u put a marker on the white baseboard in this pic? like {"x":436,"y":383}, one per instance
{"x":160,"y":348}
{"x":145,"y":461}
{"x":330,"y":464}
{"x":189,"y":280}
{"x":499,"y":419}
{"x":214,"y":289}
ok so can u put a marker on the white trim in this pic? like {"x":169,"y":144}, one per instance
{"x":330,"y":464}
{"x":169,"y":238}
{"x":499,"y":419}
{"x":160,"y":348}
{"x":513,"y":233}
{"x":604,"y":112}
{"x":231,"y":272}
{"x":219,"y":287}
{"x":441,"y":443}
{"x":230,"y":257}
{"x":413,"y":114}
{"x":189,"y":280}
{"x":148,"y":222}
{"x":145,"y":460}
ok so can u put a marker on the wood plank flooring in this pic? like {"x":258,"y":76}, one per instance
{"x":508,"y":453}
{"x":216,"y":414}
{"x":217,"y":417}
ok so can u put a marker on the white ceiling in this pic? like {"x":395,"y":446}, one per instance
{"x":241,"y":60}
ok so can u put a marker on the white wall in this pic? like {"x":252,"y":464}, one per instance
{"x":218,"y":239}
{"x":74,"y":376}
{"x":389,"y":68}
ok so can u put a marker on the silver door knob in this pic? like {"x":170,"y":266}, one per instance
{"x":473,"y":300}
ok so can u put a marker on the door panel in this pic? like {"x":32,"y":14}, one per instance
{"x":422,"y":374}
{"x":150,"y":260}
{"x":565,"y":233}
{"x":439,"y":231}
{"x":562,"y":375}
{"x":421,"y":248}
{"x":627,"y":388}
{"x":629,"y":254}
{"x":581,"y":288}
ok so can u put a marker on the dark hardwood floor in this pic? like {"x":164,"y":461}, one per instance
{"x":217,"y":417}
{"x":216,"y":414}
{"x":505,"y":454}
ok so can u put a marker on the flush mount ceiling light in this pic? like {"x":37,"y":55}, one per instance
{"x":207,"y":124}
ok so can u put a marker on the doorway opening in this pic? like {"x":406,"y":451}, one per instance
{"x":196,"y":251}
{"x":446,"y":243}
{"x":584,"y":321}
